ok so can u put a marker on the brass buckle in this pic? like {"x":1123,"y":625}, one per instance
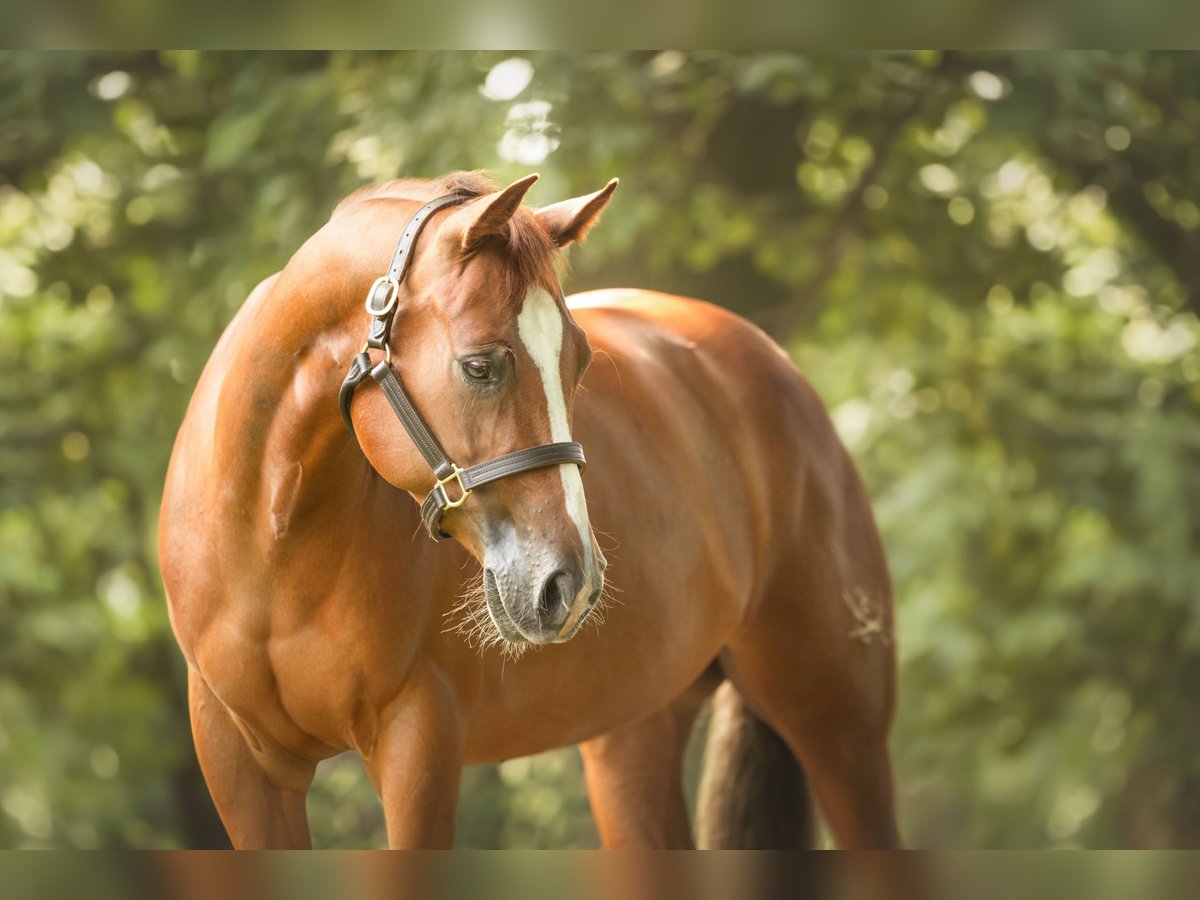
{"x":393,"y":292}
{"x":387,"y":350}
{"x":440,"y":486}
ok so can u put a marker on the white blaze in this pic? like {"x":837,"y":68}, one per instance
{"x":540,"y":327}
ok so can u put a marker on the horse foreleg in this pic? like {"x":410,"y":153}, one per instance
{"x":259,"y":810}
{"x":635,"y":777}
{"x":415,"y":764}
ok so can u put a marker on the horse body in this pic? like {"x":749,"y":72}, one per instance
{"x":314,"y":618}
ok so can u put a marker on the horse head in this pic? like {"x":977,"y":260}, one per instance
{"x":490,"y":359}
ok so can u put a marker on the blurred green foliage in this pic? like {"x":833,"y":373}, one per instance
{"x":987,"y":264}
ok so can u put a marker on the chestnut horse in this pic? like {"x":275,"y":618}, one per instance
{"x":316,"y":617}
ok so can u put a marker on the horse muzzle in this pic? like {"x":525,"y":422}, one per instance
{"x":546,"y":605}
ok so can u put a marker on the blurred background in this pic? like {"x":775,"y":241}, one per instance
{"x":988,"y":265}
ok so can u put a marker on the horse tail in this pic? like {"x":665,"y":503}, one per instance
{"x":753,"y":793}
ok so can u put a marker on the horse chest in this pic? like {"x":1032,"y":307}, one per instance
{"x":296,"y":686}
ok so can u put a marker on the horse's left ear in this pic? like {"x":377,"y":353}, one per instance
{"x":570,"y":220}
{"x":488,"y":215}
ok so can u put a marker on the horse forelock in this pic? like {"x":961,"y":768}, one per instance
{"x":530,"y":255}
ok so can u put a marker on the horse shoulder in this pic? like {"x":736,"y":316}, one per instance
{"x":187,"y":530}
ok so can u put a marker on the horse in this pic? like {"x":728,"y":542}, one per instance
{"x":719,"y":529}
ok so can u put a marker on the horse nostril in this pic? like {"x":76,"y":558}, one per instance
{"x":556,"y":593}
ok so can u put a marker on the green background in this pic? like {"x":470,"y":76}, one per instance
{"x":987,"y":264}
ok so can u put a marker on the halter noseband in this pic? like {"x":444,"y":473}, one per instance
{"x":381,"y":303}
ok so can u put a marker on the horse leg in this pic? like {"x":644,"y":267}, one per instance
{"x":259,"y":810}
{"x":635,"y":776}
{"x":821,"y":673}
{"x":851,"y":774}
{"x":415,"y":764}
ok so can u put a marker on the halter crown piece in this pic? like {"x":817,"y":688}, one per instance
{"x":381,"y":303}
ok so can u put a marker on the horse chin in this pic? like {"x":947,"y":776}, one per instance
{"x":511,"y":632}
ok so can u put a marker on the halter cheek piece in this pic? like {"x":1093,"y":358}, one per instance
{"x":381,"y":303}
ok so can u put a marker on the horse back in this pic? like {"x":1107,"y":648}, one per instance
{"x":681,"y":384}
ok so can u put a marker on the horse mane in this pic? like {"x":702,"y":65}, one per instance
{"x":531,"y":253}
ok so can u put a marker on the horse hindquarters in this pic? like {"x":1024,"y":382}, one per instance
{"x":815,"y":657}
{"x":753,"y":793}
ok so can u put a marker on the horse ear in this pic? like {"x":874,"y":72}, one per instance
{"x":488,"y":215}
{"x":570,"y":220}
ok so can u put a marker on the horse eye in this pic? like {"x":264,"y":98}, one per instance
{"x":478,"y":369}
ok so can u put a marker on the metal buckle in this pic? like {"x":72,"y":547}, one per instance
{"x":393,"y":293}
{"x":440,"y":487}
{"x":387,"y":350}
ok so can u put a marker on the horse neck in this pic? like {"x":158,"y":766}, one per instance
{"x":283,"y":456}
{"x":289,"y":495}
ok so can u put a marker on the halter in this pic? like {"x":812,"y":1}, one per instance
{"x":381,"y":304}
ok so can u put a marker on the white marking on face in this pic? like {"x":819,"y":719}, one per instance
{"x":540,"y":327}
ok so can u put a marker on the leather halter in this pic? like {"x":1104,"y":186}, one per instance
{"x":381,"y":303}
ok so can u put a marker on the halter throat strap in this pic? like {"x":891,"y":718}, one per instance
{"x":381,"y":304}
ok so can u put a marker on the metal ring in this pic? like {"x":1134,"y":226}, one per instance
{"x":387,"y":350}
{"x":393,"y":293}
